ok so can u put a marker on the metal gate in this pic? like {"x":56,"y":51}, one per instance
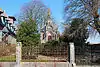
{"x":45,"y":53}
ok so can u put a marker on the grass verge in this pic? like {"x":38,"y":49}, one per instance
{"x":8,"y":59}
{"x":35,"y":60}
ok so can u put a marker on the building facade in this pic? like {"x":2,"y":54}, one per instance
{"x":7,"y":28}
{"x":49,"y":30}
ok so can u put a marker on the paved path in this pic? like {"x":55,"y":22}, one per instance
{"x":35,"y":64}
{"x":40,"y":64}
{"x":45,"y":64}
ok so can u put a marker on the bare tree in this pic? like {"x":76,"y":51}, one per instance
{"x":85,"y":9}
{"x":34,"y":10}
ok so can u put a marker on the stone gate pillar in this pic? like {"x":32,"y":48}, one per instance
{"x":0,"y":35}
{"x":72,"y":55}
{"x":18,"y":54}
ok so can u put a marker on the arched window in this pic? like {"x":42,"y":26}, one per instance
{"x":43,"y":36}
{"x":49,"y":38}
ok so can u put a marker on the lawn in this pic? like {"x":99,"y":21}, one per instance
{"x":8,"y":59}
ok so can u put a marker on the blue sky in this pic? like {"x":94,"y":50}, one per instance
{"x":12,"y":7}
{"x":94,"y":38}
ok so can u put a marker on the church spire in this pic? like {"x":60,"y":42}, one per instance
{"x":48,"y":12}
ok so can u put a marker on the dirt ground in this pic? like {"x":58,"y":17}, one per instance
{"x":51,"y":58}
